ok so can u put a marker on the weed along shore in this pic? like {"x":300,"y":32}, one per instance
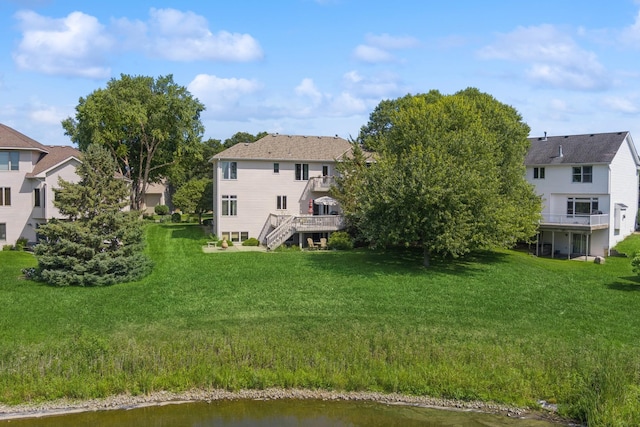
{"x":494,"y":331}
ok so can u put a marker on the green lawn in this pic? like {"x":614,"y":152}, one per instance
{"x":501,"y":326}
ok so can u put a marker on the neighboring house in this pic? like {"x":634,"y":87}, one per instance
{"x":157,"y":194}
{"x":589,"y":189}
{"x":29,"y":172}
{"x":276,"y":189}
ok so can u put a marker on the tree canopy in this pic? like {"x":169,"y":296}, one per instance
{"x":195,"y":196}
{"x":448,"y":175}
{"x":99,"y":244}
{"x":147,"y":124}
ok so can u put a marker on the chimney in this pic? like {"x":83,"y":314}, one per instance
{"x":545,"y":136}
{"x":560,"y":151}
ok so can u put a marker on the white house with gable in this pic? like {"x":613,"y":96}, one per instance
{"x":589,"y":188}
{"x":276,"y":189}
{"x":29,"y":172}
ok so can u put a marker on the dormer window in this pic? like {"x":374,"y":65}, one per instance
{"x":583,"y":174}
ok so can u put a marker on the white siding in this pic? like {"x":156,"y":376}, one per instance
{"x":16,"y":216}
{"x":257,"y":188}
{"x":624,"y":190}
{"x":22,"y":217}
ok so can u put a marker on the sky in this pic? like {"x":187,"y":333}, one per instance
{"x":320,"y":67}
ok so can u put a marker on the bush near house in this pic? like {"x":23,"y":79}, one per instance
{"x":161,"y":210}
{"x":340,"y":240}
{"x":251,"y":241}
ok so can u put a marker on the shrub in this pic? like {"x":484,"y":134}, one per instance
{"x":176,"y":217}
{"x":635,"y":263}
{"x":290,"y":248}
{"x":21,"y":244}
{"x":161,"y":209}
{"x":340,"y":240}
{"x":251,"y":241}
{"x":7,"y":247}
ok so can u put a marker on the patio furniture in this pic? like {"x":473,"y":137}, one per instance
{"x":323,"y":243}
{"x":310,"y":244}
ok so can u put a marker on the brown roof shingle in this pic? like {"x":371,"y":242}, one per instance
{"x":289,"y":147}
{"x":56,"y":155}
{"x":11,"y":138}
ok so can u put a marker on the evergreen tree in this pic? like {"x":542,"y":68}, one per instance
{"x":99,"y":244}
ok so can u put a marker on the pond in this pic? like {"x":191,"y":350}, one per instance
{"x":277,"y":413}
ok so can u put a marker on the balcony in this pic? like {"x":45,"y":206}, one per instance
{"x":575,"y":221}
{"x":321,"y":184}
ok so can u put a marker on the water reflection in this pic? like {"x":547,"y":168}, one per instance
{"x":277,"y":413}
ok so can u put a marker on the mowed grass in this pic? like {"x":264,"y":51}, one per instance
{"x":498,"y":326}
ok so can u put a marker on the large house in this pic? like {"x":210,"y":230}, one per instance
{"x":589,"y":188}
{"x":29,"y":172}
{"x":276,"y":189}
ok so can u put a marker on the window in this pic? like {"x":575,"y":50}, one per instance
{"x":302,"y":171}
{"x":229,"y":205}
{"x":235,"y":236}
{"x":582,"y":173}
{"x":229,"y":170}
{"x":9,"y":160}
{"x":36,"y":197}
{"x":325,"y":170}
{"x":281,"y":202}
{"x":3,"y":231}
{"x":276,"y":168}
{"x":580,"y":206}
{"x":538,"y":173}
{"x":5,"y":196}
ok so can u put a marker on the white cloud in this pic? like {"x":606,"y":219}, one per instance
{"x":372,"y":54}
{"x":308,"y":89}
{"x":185,"y":36}
{"x":76,"y":45}
{"x":621,"y":104}
{"x":376,"y":87}
{"x":631,"y":34}
{"x":79,"y":45}
{"x":378,"y":47}
{"x":48,"y":115}
{"x":221,"y":95}
{"x":553,"y":58}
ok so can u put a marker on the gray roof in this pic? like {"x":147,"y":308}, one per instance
{"x":11,"y":138}
{"x":575,"y":149}
{"x":289,"y":147}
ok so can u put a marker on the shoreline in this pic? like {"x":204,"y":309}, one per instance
{"x":127,"y":401}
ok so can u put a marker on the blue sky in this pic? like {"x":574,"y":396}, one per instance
{"x":319,"y":67}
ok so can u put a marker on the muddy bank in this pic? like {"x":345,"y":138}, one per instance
{"x":66,"y":406}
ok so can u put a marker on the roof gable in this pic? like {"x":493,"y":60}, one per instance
{"x":56,"y":155}
{"x":575,"y":149}
{"x":289,"y":147}
{"x":12,"y":139}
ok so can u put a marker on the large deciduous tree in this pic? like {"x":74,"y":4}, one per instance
{"x":147,"y":124}
{"x":449,"y":175}
{"x":195,"y":196}
{"x":99,"y":244}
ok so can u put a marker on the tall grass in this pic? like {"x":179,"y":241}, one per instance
{"x":500,"y":326}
